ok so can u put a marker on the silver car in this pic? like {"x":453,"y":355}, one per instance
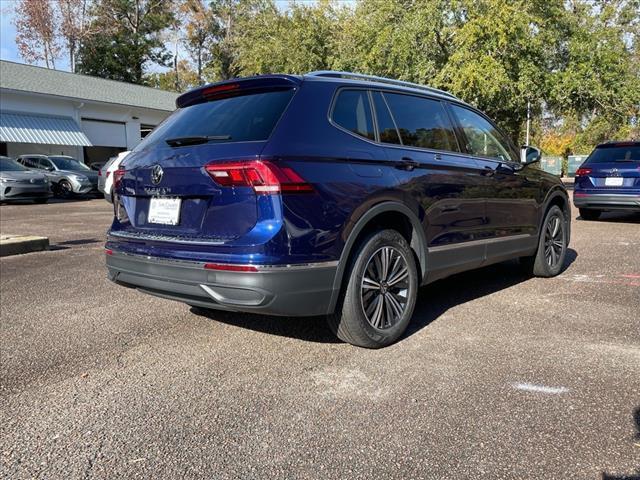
{"x":20,"y":183}
{"x":68,"y":176}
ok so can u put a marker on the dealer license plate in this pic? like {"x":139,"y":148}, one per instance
{"x":164,"y":211}
{"x":613,"y":181}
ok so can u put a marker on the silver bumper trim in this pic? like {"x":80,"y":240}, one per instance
{"x":164,"y":238}
{"x":259,"y":267}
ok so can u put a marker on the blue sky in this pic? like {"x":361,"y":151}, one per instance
{"x":8,"y":50}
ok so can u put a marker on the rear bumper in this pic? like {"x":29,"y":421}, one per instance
{"x":605,"y":201}
{"x":290,"y":290}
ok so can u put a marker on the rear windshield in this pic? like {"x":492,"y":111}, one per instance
{"x":236,"y":119}
{"x":618,"y":153}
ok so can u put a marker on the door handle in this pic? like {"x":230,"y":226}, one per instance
{"x":407,"y":163}
{"x":488,"y":171}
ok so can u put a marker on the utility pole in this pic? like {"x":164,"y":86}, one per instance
{"x":528,"y":121}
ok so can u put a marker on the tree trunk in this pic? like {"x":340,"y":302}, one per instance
{"x":200,"y":65}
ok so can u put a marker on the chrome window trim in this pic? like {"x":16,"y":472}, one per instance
{"x":393,"y":145}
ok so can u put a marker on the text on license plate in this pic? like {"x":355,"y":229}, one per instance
{"x":164,"y":211}
{"x":613,"y":181}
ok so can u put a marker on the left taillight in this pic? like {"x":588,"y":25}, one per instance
{"x":583,"y":172}
{"x":263,"y":176}
{"x":117,"y":177}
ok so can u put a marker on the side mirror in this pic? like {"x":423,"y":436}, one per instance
{"x":529,"y":155}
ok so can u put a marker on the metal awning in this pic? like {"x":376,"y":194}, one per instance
{"x":44,"y":129}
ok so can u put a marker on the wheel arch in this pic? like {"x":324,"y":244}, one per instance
{"x":391,"y":215}
{"x":557,"y":196}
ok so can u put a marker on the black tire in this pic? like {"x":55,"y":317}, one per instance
{"x":589,"y":213}
{"x":390,"y":303}
{"x":41,"y":200}
{"x":64,"y":189}
{"x":552,"y":246}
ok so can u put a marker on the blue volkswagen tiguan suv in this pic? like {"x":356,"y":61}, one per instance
{"x":330,"y":193}
{"x":609,"y":179}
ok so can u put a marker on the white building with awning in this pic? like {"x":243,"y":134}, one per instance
{"x":45,"y":111}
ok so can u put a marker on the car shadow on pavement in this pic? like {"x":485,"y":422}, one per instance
{"x":70,"y":243}
{"x":636,"y":475}
{"x":308,"y":329}
{"x":614,"y":217}
{"x":433,"y":301}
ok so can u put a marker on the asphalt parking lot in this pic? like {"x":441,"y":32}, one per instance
{"x":500,"y":375}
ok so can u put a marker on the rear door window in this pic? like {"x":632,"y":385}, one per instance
{"x":352,"y":111}
{"x":422,"y":122}
{"x":241,"y":118}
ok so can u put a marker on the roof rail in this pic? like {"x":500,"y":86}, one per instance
{"x":373,"y":78}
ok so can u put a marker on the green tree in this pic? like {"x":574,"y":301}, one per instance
{"x":230,"y":21}
{"x":126,"y":37}
{"x":179,"y":79}
{"x":199,"y":30}
{"x":499,"y":57}
{"x":298,"y":40}
{"x":598,"y":78}
{"x":405,"y":39}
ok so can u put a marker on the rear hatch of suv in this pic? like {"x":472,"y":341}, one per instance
{"x":612,"y":167}
{"x":197,"y":178}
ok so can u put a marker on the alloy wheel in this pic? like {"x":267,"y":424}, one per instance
{"x":384,"y":289}
{"x":553,"y":241}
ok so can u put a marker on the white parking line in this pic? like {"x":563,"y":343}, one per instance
{"x":530,"y":387}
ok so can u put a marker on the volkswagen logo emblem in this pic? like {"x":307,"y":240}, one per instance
{"x":156,"y":174}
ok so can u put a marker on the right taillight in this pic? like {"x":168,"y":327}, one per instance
{"x":117,"y":177}
{"x":263,"y":176}
{"x":583,"y":172}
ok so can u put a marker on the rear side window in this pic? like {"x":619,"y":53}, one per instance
{"x":235,"y":119}
{"x":30,"y":162}
{"x":422,"y":122}
{"x":352,"y":112}
{"x":615,"y":153}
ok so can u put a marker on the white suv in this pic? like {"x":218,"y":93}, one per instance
{"x":105,"y":175}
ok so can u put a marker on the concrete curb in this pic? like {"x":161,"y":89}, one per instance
{"x":18,"y":244}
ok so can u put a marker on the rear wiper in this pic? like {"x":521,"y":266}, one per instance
{"x":180,"y":141}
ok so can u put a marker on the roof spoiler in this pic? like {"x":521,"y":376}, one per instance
{"x":235,"y":87}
